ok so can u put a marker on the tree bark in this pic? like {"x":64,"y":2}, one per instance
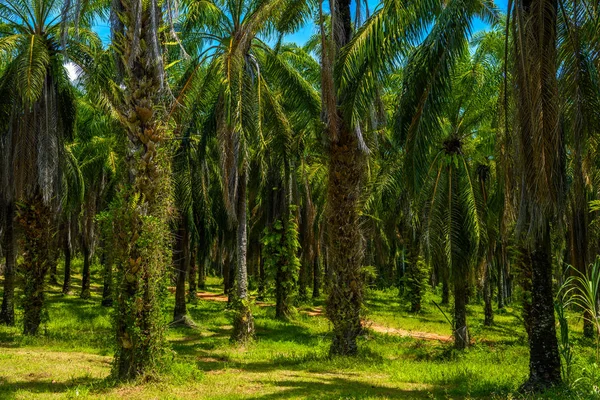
{"x":107,"y":264}
{"x":182,"y":266}
{"x":86,"y":273}
{"x":544,"y":359}
{"x":487,"y":296}
{"x":193,"y":275}
{"x":538,"y":116}
{"x":35,"y":218}
{"x":461,"y":331}
{"x":243,"y":323}
{"x":7,"y":312}
{"x":346,"y":159}
{"x":445,"y":289}
{"x":317,"y":273}
{"x":414,"y":278}
{"x":141,"y":225}
{"x":67,"y":253}
{"x":501,"y":278}
{"x":261,"y":279}
{"x":201,"y":261}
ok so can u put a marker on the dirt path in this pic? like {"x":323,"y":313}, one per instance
{"x":318,"y":312}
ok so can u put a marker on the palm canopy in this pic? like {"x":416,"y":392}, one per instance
{"x":38,"y":102}
{"x":242,"y":69}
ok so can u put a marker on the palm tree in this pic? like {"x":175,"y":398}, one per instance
{"x":579,"y":96}
{"x":231,"y":32}
{"x":36,"y":90}
{"x":133,"y":86}
{"x":352,"y":67}
{"x":541,"y":170}
{"x":7,"y":312}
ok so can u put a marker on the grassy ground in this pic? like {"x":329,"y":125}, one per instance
{"x":71,"y":358}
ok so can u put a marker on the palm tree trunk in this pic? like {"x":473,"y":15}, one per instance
{"x":7,"y":312}
{"x":182,"y":266}
{"x":539,"y":122}
{"x":86,"y":273}
{"x":193,"y":282}
{"x":461,"y":332}
{"x":317,"y":272}
{"x":544,"y":359}
{"x":243,"y":323}
{"x":487,"y":296}
{"x":414,"y":278}
{"x":445,"y":287}
{"x":141,"y":223}
{"x":261,"y":279}
{"x":53,"y":268}
{"x":345,"y":241}
{"x":501,"y":277}
{"x":107,"y":264}
{"x":67,"y":253}
{"x":202,"y":260}
{"x":35,"y":219}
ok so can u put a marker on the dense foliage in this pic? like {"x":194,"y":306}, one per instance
{"x":397,"y":149}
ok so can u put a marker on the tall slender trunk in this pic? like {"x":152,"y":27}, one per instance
{"x":445,"y":291}
{"x":86,"y":273}
{"x":243,"y":323}
{"x":106,"y":261}
{"x":500,"y":270}
{"x":35,"y":218}
{"x":461,"y":331}
{"x":182,"y":266}
{"x":53,"y":278}
{"x":229,"y":275}
{"x":67,"y":254}
{"x":193,"y":275}
{"x":414,"y":277}
{"x":7,"y":312}
{"x":345,"y":241}
{"x":487,"y":295}
{"x":317,"y":272}
{"x":201,"y":261}
{"x":303,"y":281}
{"x":261,"y":279}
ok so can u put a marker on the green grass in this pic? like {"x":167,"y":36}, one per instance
{"x":72,"y":355}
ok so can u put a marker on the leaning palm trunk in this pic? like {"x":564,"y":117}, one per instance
{"x":7,"y":312}
{"x":142,"y":221}
{"x":35,"y":218}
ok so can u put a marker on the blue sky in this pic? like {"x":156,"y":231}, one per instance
{"x":304,"y":33}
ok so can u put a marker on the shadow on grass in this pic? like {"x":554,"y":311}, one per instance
{"x":28,"y":389}
{"x":339,"y":388}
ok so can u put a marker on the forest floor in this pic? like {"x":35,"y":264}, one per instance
{"x":402,"y":355}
